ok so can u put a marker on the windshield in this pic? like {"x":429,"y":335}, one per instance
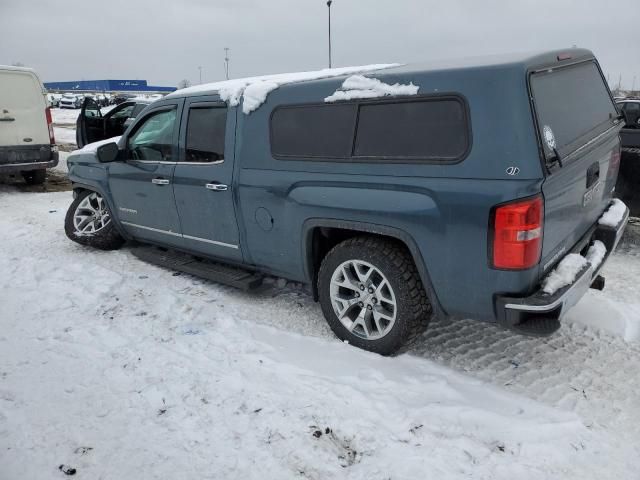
{"x":573,"y":106}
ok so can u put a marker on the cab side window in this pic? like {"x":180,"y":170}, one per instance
{"x":205,"y":134}
{"x":153,"y":138}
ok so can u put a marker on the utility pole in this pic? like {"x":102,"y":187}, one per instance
{"x":633,"y":88}
{"x":329,"y":2}
{"x":226,"y":62}
{"x":619,"y":82}
{"x":200,"y":68}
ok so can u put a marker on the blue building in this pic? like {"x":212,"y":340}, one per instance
{"x":106,"y":86}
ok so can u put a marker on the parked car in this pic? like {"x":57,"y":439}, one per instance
{"x":71,"y":100}
{"x":628,"y":185}
{"x":54,"y":99}
{"x":27,"y":144}
{"x":92,"y":126}
{"x":118,"y":99}
{"x":410,"y":192}
{"x":102,"y":100}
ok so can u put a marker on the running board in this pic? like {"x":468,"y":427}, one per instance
{"x":183,"y":262}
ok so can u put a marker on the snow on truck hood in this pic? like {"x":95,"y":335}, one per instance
{"x":254,"y":90}
{"x":93,"y":147}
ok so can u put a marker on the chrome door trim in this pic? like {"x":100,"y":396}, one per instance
{"x":151,"y":229}
{"x":214,"y":242}
{"x":163,"y":162}
{"x":188,"y":237}
{"x":157,"y":162}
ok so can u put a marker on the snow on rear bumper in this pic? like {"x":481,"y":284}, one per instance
{"x":514,"y":311}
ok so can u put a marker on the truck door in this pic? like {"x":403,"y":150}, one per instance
{"x":141,"y":184}
{"x":203,"y":179}
{"x":90,"y":124}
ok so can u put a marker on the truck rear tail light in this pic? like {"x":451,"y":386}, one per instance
{"x":52,"y":138}
{"x":517,"y":234}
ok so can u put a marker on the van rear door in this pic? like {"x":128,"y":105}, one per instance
{"x":579,"y":130}
{"x":23,"y":105}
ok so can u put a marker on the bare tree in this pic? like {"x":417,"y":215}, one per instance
{"x":184,"y":84}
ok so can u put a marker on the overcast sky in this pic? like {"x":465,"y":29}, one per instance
{"x":165,"y":41}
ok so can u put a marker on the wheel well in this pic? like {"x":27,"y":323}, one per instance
{"x":323,"y":239}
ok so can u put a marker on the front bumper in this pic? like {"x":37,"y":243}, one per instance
{"x":539,"y":313}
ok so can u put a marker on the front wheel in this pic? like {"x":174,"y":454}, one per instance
{"x":372,"y":296}
{"x":89,"y":222}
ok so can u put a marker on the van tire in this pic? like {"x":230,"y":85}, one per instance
{"x":35,"y":177}
{"x":395,"y":265}
{"x":106,"y":238}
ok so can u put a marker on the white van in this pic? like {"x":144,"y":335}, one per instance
{"x":27,"y":144}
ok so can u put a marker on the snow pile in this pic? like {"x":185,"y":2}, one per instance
{"x":255,"y":95}
{"x":564,"y":274}
{"x":614,"y":214}
{"x":567,"y":270}
{"x":254,"y":90}
{"x":596,"y":254}
{"x":359,"y":86}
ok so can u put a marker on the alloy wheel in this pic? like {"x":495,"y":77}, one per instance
{"x":363,"y":300}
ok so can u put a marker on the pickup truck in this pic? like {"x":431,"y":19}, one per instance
{"x":396,"y":192}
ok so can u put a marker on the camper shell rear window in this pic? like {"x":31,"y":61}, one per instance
{"x":572,"y":105}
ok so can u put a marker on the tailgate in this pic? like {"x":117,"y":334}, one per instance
{"x":579,"y":128}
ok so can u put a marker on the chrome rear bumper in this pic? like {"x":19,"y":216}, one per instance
{"x":516,"y":311}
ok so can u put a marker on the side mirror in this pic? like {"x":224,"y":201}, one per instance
{"x":108,"y":152}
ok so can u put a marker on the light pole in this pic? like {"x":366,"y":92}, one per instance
{"x":226,"y":62}
{"x":329,"y":2}
{"x":200,"y":68}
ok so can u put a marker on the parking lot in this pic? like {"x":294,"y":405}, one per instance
{"x":250,"y":240}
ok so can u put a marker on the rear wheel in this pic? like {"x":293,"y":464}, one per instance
{"x":34,"y":177}
{"x":372,"y":296}
{"x":89,"y":222}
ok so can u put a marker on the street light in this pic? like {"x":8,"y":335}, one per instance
{"x":329,"y":2}
{"x":226,"y":62}
{"x":200,"y":68}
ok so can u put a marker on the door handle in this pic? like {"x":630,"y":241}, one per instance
{"x":216,"y":187}
{"x":160,"y":181}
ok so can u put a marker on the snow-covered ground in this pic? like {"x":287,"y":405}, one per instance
{"x":123,"y":370}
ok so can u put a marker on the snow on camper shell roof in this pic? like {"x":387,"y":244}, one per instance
{"x":254,"y":90}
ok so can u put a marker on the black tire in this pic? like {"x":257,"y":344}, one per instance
{"x":34,"y":177}
{"x":107,"y":238}
{"x":394,"y":261}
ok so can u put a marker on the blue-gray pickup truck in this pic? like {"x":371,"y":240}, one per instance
{"x":478,"y":188}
